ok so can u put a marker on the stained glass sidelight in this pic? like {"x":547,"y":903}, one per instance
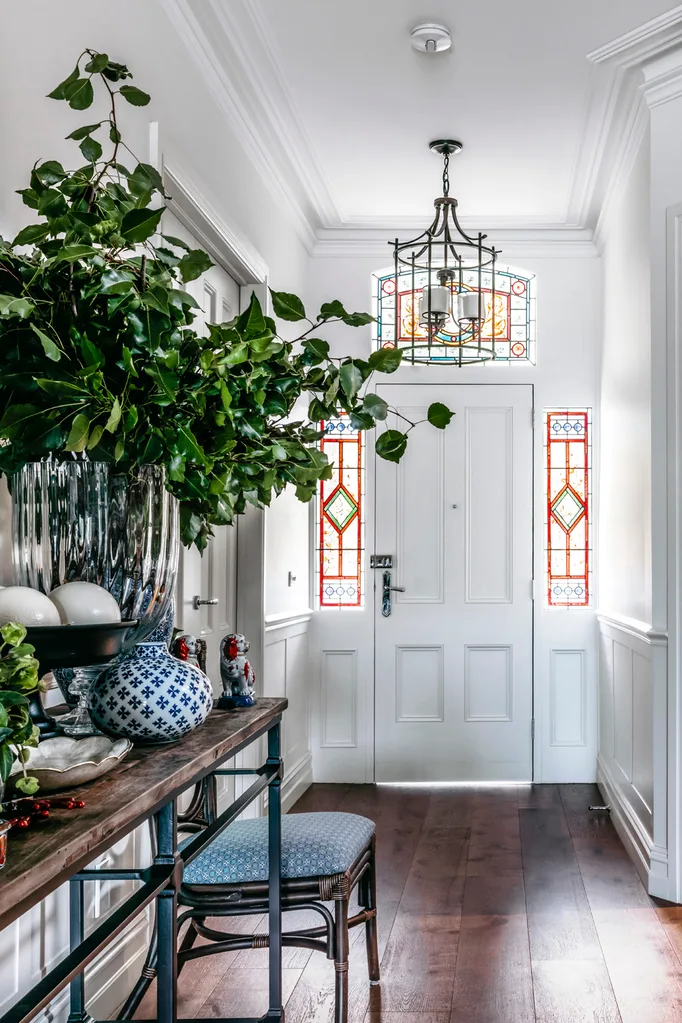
{"x":568,"y":443}
{"x":511,"y":327}
{"x":340,"y":526}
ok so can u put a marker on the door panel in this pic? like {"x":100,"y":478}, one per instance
{"x":453,"y":684}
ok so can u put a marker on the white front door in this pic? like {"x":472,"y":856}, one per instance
{"x":213,"y":576}
{"x":453,"y":660}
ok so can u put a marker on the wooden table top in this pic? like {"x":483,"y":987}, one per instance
{"x":47,"y":854}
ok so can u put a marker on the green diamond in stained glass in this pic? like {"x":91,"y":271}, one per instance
{"x":340,"y":508}
{"x":567,"y":508}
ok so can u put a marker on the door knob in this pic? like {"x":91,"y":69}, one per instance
{"x":198,"y":601}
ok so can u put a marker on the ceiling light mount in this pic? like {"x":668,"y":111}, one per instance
{"x":430,"y":38}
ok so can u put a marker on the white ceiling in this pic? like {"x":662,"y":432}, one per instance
{"x":513,"y":89}
{"x":345,"y":108}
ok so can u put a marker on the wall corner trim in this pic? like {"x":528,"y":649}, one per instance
{"x":633,"y":627}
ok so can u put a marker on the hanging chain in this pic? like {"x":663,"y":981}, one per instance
{"x":446,"y":173}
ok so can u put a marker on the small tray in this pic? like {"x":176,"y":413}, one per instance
{"x":75,"y":646}
{"x":64,"y":762}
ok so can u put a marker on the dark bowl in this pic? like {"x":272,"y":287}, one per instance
{"x":76,"y":646}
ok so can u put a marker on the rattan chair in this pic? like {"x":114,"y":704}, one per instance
{"x":325,"y":856}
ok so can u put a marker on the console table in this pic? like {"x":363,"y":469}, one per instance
{"x":145,"y":785}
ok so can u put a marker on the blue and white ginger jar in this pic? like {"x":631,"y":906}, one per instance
{"x":150,"y":696}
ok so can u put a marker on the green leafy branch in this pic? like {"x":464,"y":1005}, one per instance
{"x":18,"y":679}
{"x":101,"y":358}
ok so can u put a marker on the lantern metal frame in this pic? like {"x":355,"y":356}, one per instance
{"x":446,"y":253}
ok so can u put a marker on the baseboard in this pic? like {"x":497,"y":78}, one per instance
{"x":297,"y":781}
{"x":651,"y":861}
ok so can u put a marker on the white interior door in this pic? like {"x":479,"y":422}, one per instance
{"x":213,"y":576}
{"x":454,"y":666}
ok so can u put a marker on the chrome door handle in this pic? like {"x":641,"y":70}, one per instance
{"x":386,"y":590}
{"x":198,"y":601}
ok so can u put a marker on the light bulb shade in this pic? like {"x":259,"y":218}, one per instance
{"x":435,"y":304}
{"x":469,"y":306}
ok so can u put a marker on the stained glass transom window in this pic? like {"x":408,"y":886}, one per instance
{"x":512,"y":326}
{"x":340,"y":525}
{"x":568,"y":443}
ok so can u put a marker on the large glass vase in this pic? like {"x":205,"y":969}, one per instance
{"x":78,"y":520}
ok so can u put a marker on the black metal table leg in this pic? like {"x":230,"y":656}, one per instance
{"x":77,"y":1013}
{"x":166,"y":917}
{"x":276,"y":1009}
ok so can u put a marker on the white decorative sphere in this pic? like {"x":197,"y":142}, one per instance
{"x":27,"y":606}
{"x":85,"y":604}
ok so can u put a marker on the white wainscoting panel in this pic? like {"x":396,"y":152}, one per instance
{"x":488,"y":683}
{"x":419,"y":519}
{"x":287,"y":673}
{"x":488,"y":486}
{"x":568,"y":698}
{"x":419,"y":683}
{"x":338,"y":699}
{"x":631,"y":765}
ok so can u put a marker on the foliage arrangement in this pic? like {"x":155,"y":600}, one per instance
{"x":100,"y":358}
{"x":18,"y":679}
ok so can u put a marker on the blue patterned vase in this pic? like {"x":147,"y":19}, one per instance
{"x":150,"y":697}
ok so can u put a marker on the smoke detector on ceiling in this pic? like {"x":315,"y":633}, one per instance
{"x":431,"y":38}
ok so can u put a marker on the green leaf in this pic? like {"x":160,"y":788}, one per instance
{"x":351,"y":378}
{"x":72,"y":253}
{"x":391,"y":445}
{"x":193,"y":265}
{"x":95,"y":437}
{"x":6,"y":761}
{"x":134,"y":95}
{"x":119,"y":450}
{"x":28,"y":785}
{"x":128,"y":362}
{"x":79,"y":94}
{"x":332,"y":310}
{"x":50,"y":172}
{"x":13,"y":633}
{"x":82,"y":133}
{"x":97,"y":64}
{"x":78,"y":435}
{"x":439,"y":415}
{"x":357,"y":319}
{"x":114,"y":417}
{"x":58,"y":93}
{"x":252,"y":322}
{"x":317,"y":348}
{"x":287,"y":306}
{"x":145,"y":178}
{"x":375,"y":406}
{"x":20,"y":307}
{"x":178,"y":242}
{"x":32,"y":234}
{"x":49,"y":347}
{"x":138,"y":225}
{"x":91,"y":149}
{"x":386,"y":360}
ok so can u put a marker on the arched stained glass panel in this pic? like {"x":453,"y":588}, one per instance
{"x":511,"y":325}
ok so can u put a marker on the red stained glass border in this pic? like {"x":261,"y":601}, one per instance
{"x":568,"y":443}
{"x":341,"y":589}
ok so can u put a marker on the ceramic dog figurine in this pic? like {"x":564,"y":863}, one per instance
{"x":188,"y":648}
{"x":238,"y":677}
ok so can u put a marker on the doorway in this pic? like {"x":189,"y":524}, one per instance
{"x":454,"y":614}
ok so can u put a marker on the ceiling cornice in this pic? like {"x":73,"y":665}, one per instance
{"x":614,"y":113}
{"x":541,"y":242}
{"x":228,"y":42}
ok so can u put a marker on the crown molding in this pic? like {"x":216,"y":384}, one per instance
{"x":230,"y":84}
{"x":229,"y":41}
{"x":615,"y":113}
{"x":540,"y":243}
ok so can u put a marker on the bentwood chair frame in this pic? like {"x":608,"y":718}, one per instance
{"x":201,"y":901}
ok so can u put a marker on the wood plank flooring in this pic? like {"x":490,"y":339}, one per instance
{"x":509,"y":905}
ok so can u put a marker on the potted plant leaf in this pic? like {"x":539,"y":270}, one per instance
{"x":18,"y":679}
{"x":101,"y":360}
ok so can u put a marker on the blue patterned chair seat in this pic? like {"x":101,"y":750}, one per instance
{"x":313,"y":845}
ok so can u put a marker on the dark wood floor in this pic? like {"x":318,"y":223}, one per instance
{"x":506,"y":905}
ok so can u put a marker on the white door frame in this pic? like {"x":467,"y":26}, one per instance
{"x":370,"y":542}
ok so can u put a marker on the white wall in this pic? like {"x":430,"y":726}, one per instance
{"x":625,"y":450}
{"x":195,"y":140}
{"x":566,"y":374}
